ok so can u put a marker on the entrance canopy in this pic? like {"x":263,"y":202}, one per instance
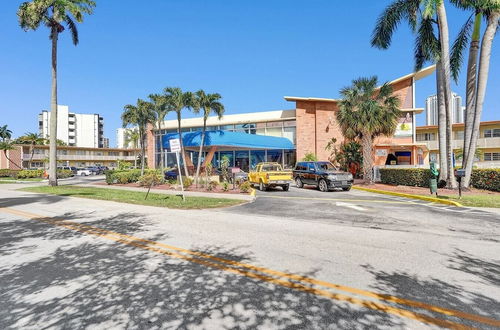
{"x":225,"y":140}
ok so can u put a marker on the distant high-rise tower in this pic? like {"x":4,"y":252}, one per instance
{"x":431,"y":110}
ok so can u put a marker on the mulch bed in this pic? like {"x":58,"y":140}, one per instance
{"x":425,"y":191}
{"x":217,"y":190}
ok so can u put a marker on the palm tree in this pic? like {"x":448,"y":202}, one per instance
{"x":5,"y":133}
{"x":139,"y":115}
{"x":32,"y":139}
{"x":208,"y":103}
{"x":475,"y":80}
{"x":53,"y":14}
{"x":420,"y":16}
{"x":5,"y":146}
{"x":177,"y":100}
{"x":133,"y":136}
{"x":366,"y":112}
{"x":161,"y":109}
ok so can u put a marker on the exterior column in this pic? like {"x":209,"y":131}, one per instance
{"x":150,"y":146}
{"x":209,"y":156}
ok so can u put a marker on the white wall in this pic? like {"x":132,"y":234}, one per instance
{"x":87,"y":130}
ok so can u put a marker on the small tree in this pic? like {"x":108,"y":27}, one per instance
{"x":367,"y":112}
{"x":310,"y":157}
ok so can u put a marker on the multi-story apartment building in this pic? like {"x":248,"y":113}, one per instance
{"x":431,"y":110}
{"x":488,"y":143}
{"x":76,"y":130}
{"x":22,"y":156}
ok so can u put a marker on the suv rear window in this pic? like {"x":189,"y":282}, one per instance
{"x":270,"y":168}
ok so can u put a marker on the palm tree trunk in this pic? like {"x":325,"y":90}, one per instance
{"x":10,"y":161}
{"x":482,"y":80}
{"x":182,"y":144}
{"x":367,"y":143}
{"x":470,"y":98}
{"x":143,"y":150}
{"x":32,"y":152}
{"x":444,"y":39}
{"x":53,"y":113}
{"x":201,"y":150}
{"x":162,"y":156}
{"x":443,"y":169}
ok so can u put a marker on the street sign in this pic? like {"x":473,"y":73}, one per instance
{"x":235,"y":170}
{"x":175,"y":145}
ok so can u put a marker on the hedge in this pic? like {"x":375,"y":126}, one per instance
{"x":27,"y":174}
{"x":488,"y":179}
{"x":4,"y":173}
{"x":124,"y":176}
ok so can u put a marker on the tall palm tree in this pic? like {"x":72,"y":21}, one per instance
{"x":366,"y":112}
{"x":133,"y":136}
{"x":139,"y":115}
{"x":490,"y":9}
{"x":5,"y":133}
{"x":53,"y":14}
{"x":5,"y":146}
{"x":178,"y":100}
{"x":208,"y":103}
{"x":32,"y":139}
{"x":161,"y":108}
{"x":420,"y":15}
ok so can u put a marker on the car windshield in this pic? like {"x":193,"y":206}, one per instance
{"x":325,"y":166}
{"x":270,"y":168}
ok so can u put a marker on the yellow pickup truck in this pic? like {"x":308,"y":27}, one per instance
{"x":267,"y":175}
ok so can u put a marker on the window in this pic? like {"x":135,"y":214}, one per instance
{"x":459,"y":135}
{"x":426,"y":137}
{"x":227,"y":127}
{"x":310,"y":167}
{"x":491,"y":156}
{"x":80,"y":152}
{"x":114,"y":153}
{"x":495,"y":132}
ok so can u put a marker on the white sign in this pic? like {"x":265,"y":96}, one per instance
{"x":381,"y":152}
{"x":175,"y":145}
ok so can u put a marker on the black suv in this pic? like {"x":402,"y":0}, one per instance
{"x":323,"y":175}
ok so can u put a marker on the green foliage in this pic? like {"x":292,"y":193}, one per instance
{"x":123,"y":176}
{"x":349,"y":152}
{"x":310,"y":157}
{"x":4,"y":173}
{"x":225,"y":186}
{"x":151,"y":178}
{"x":488,"y":179}
{"x":224,"y":166}
{"x":187,"y":182}
{"x":212,"y":185}
{"x":61,"y":174}
{"x":245,"y":186}
{"x":26,"y":174}
{"x":123,"y":165}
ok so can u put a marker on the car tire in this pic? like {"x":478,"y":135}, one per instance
{"x":262,"y":186}
{"x":322,"y":185}
{"x":298,"y":182}
{"x":346,"y":188}
{"x":286,"y":187}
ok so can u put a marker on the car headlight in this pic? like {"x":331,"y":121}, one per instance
{"x":349,"y":176}
{"x":332,"y":177}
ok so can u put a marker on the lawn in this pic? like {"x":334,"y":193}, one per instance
{"x":10,"y":180}
{"x":135,"y":197}
{"x":487,"y":200}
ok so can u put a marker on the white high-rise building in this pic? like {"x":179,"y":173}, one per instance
{"x":431,"y":110}
{"x":78,"y":130}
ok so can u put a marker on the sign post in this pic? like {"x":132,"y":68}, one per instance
{"x":175,"y":146}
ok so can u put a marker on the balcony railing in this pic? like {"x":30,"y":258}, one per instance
{"x":79,"y":157}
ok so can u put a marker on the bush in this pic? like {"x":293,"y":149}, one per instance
{"x":225,"y":186}
{"x":187,"y":182}
{"x":212,"y":185}
{"x":123,"y":176}
{"x":245,"y":186}
{"x":488,"y":179}
{"x":310,"y":157}
{"x":62,"y":174}
{"x":406,"y":176}
{"x":153,"y":178}
{"x":4,"y":173}
{"x":27,"y":174}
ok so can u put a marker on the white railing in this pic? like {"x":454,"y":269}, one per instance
{"x":79,"y":157}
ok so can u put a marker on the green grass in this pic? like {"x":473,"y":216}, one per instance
{"x":9,"y":179}
{"x":487,"y":200}
{"x":135,"y":197}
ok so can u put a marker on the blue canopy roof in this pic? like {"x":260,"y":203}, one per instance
{"x":230,"y":139}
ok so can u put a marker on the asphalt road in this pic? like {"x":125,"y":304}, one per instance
{"x":295,"y":260}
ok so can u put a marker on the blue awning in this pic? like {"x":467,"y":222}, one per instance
{"x":227,"y":139}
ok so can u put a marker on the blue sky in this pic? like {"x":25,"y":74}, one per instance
{"x":251,"y":52}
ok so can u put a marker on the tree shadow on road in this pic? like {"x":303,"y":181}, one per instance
{"x":88,"y":283}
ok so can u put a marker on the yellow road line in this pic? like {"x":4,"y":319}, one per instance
{"x":145,"y":244}
{"x":343,"y":200}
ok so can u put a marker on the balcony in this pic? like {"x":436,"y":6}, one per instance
{"x":80,"y":157}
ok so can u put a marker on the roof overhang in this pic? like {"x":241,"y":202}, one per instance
{"x":402,"y":145}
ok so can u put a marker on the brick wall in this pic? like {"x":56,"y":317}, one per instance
{"x":150,"y":146}
{"x":15,"y":157}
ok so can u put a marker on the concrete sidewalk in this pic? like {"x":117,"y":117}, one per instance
{"x":245,"y":197}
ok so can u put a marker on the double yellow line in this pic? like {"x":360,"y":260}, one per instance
{"x":292,"y":281}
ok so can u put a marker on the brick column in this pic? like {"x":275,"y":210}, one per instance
{"x":150,"y":146}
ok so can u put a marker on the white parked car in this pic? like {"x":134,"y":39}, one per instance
{"x":83,"y":172}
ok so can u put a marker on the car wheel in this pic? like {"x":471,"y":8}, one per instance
{"x":82,"y":174}
{"x":322,"y":185}
{"x":286,"y":187}
{"x":262,"y":186}
{"x":298,"y":182}
{"x":346,"y":188}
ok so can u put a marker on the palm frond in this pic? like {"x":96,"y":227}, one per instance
{"x":73,"y":29}
{"x":426,"y":44}
{"x":459,"y":46}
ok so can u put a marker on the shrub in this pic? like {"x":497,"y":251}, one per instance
{"x":245,"y":186}
{"x":152,"y":178}
{"x":27,"y":174}
{"x":225,"y":186}
{"x":488,"y":179}
{"x":406,"y":176}
{"x":212,"y":185}
{"x":123,"y":177}
{"x":310,"y":157}
{"x":8,"y":173}
{"x":187,"y":182}
{"x":62,"y":174}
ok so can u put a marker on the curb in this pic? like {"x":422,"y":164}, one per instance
{"x":424,"y":198}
